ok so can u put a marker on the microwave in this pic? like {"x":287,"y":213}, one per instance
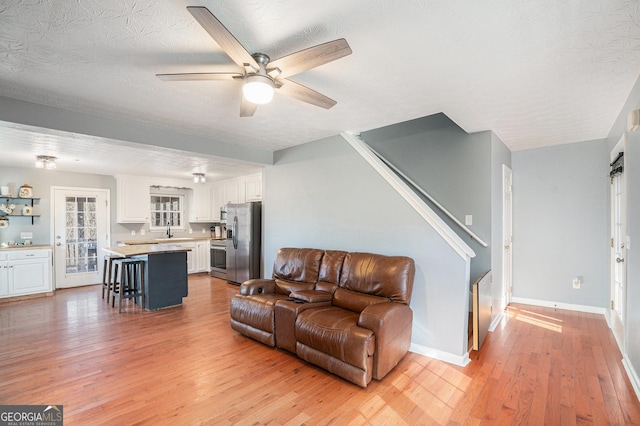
{"x":223,"y":214}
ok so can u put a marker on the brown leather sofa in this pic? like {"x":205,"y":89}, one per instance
{"x":345,"y":312}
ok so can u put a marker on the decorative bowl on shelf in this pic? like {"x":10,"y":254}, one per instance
{"x":27,"y":210}
{"x":25,"y":191}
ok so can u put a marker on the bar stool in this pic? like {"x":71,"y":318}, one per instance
{"x":131,"y":285}
{"x":110,"y":273}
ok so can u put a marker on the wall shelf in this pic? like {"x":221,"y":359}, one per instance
{"x":22,"y":202}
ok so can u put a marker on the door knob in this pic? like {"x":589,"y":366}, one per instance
{"x":619,"y":259}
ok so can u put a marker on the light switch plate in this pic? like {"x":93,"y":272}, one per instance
{"x":468,"y":219}
{"x":26,"y":235}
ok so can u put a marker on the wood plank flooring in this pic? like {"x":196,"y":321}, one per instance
{"x":185,"y":366}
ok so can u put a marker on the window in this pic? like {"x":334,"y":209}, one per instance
{"x":167,"y":209}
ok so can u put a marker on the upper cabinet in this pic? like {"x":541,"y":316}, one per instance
{"x":230,"y":191}
{"x":253,"y":187}
{"x":133,"y":195}
{"x":201,"y":207}
{"x":238,"y":190}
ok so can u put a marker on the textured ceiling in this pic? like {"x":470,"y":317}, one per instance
{"x":537,"y":73}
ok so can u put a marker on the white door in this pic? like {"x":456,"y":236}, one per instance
{"x":507,"y":234}
{"x":80,"y":232}
{"x":618,"y":246}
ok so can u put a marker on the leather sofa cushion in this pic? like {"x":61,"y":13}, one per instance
{"x":390,"y":277}
{"x":297,"y":264}
{"x":335,"y":332}
{"x":286,"y":287}
{"x":353,"y":301}
{"x":255,"y":310}
{"x":331,"y":266}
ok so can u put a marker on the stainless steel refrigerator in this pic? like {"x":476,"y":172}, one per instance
{"x":243,"y":241}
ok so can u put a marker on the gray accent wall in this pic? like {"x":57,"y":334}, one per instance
{"x":560,"y":208}
{"x":452,"y":166}
{"x":324,"y":195}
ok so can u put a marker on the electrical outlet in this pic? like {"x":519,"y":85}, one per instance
{"x":142,"y":231}
{"x":576,"y":283}
{"x":204,"y":230}
{"x":191,"y":230}
{"x":133,"y":232}
{"x":26,"y":235}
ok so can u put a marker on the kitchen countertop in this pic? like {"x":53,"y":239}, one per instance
{"x":29,"y":247}
{"x":143,"y":249}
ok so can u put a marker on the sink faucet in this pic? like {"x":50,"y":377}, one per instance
{"x":169,"y":230}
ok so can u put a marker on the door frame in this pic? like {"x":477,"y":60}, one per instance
{"x":619,"y":335}
{"x":507,"y":235}
{"x":52,"y":218}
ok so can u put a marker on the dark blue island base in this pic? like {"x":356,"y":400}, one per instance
{"x":165,"y":279}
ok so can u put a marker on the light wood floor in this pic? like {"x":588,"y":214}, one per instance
{"x":184,"y":366}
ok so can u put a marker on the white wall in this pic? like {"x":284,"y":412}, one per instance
{"x":560,"y":205}
{"x":324,"y":195}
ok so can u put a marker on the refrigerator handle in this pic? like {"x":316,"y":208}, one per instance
{"x":235,"y":232}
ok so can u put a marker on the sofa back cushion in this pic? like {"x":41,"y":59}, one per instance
{"x":297,"y":265}
{"x":387,"y":277}
{"x":330,"y":270}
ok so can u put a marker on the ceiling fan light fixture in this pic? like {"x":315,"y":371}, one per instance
{"x":258,"y":89}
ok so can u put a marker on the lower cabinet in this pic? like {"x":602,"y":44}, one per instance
{"x":25,"y":271}
{"x":198,"y":258}
{"x":203,"y":256}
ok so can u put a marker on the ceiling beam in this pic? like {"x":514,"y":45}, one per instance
{"x":47,"y":117}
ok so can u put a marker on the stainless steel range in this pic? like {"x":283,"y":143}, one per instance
{"x":219,"y":259}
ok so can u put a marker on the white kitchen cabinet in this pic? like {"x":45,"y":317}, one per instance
{"x":217,"y":197}
{"x":203,"y":257}
{"x":133,"y":198}
{"x":25,"y":271}
{"x":252,"y":187}
{"x":201,"y":206}
{"x":230,"y":191}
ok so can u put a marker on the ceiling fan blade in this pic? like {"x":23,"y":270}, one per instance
{"x":196,"y":76}
{"x":247,"y":108}
{"x":304,"y":94}
{"x":222,"y":36}
{"x":310,"y":58}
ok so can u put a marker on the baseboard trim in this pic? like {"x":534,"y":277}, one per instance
{"x":633,"y":376}
{"x":459,"y":360}
{"x":497,"y":320}
{"x":560,"y":305}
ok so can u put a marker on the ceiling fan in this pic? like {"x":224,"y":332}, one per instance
{"x":259,"y":74}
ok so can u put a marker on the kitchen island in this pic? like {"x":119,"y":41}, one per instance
{"x":165,"y":272}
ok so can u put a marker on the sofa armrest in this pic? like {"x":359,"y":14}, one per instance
{"x":258,"y":286}
{"x":311,"y":296}
{"x":391,"y":323}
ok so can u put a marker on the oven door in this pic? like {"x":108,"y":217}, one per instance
{"x":219,"y":261}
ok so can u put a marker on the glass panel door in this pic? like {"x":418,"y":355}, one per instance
{"x":81,"y":235}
